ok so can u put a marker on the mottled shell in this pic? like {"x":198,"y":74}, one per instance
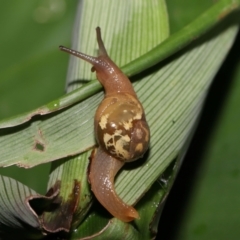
{"x":121,"y":128}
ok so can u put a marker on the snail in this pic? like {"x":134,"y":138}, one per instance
{"x":121,"y":131}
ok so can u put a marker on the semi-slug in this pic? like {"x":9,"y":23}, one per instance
{"x":120,"y":129}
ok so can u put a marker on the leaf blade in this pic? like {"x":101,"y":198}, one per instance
{"x":15,"y":210}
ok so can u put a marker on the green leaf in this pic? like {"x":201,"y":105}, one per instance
{"x":16,"y":215}
{"x":108,"y":232}
{"x":208,"y":183}
{"x":209,"y":177}
{"x":70,"y":175}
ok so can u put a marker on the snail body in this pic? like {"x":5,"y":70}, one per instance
{"x":120,"y":129}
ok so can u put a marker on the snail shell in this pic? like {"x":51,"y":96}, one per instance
{"x":121,"y":128}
